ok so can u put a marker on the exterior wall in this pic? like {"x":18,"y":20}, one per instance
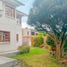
{"x":26,"y":36}
{"x":45,"y":39}
{"x":26,"y":40}
{"x":26,"y":32}
{"x":10,"y":25}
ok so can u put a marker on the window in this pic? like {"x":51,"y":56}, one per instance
{"x":22,"y":32}
{"x":28,"y":33}
{"x":18,"y":19}
{"x":13,"y":13}
{"x":32,"y":33}
{"x":4,"y":36}
{"x":9,"y":11}
{"x":17,"y":37}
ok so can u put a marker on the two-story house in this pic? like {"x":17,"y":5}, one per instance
{"x":10,"y":25}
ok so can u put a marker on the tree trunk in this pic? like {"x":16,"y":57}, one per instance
{"x":58,"y":52}
{"x":62,"y":51}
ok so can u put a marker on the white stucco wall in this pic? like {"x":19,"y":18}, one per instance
{"x":8,"y":24}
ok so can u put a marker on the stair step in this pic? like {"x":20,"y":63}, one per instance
{"x":9,"y":53}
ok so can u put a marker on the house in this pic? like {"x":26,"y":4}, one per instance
{"x":10,"y":25}
{"x":27,"y":35}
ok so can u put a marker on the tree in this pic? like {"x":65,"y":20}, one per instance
{"x":51,"y":16}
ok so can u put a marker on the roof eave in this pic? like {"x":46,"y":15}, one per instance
{"x":15,"y":3}
{"x":21,"y":13}
{"x":20,"y":2}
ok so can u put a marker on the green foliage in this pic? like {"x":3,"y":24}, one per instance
{"x":37,"y":41}
{"x":41,"y":34}
{"x":33,"y":51}
{"x":50,"y":42}
{"x":50,"y":15}
{"x":24,"y":49}
{"x":37,"y":57}
{"x":65,"y":46}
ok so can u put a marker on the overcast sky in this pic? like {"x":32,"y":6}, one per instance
{"x":26,"y":8}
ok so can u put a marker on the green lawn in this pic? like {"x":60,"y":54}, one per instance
{"x":38,"y":58}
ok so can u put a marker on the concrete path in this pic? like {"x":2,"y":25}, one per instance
{"x":7,"y":62}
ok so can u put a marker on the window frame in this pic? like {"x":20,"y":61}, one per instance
{"x":5,"y":35}
{"x":9,"y":12}
{"x":17,"y":37}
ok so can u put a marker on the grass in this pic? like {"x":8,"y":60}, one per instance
{"x":38,"y":58}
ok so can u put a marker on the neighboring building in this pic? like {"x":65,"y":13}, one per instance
{"x":27,"y":35}
{"x":45,"y":39}
{"x":10,"y":25}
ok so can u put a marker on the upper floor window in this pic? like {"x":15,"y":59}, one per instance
{"x":19,"y":20}
{"x":9,"y":11}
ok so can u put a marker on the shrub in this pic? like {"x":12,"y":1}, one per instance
{"x":37,"y":41}
{"x":24,"y":49}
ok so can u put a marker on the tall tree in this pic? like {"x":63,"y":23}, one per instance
{"x":51,"y":16}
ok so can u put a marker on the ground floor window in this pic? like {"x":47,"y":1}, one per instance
{"x":4,"y":36}
{"x":17,"y":37}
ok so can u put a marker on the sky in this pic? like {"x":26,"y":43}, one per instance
{"x":25,"y":9}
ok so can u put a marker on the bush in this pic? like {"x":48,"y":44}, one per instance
{"x":37,"y":41}
{"x":50,"y":42}
{"x":24,"y":49}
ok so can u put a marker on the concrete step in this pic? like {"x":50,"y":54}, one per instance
{"x":9,"y":53}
